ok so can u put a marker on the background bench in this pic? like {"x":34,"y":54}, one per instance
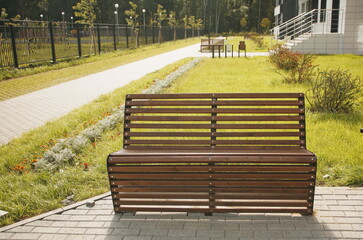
{"x":213,"y":153}
{"x":207,"y":44}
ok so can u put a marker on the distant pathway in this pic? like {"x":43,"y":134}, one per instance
{"x":23,"y":113}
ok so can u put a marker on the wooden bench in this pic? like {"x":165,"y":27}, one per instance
{"x":213,"y":153}
{"x":212,"y":44}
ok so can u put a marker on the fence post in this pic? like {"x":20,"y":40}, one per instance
{"x":13,"y":44}
{"x":145,"y":32}
{"x":127,"y":36}
{"x":114,"y":37}
{"x":79,"y":41}
{"x":153,"y":33}
{"x":99,"y":38}
{"x":51,"y":35}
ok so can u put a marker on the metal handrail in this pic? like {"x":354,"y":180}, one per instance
{"x":302,"y":23}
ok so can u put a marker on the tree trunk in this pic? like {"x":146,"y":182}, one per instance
{"x":160,"y":38}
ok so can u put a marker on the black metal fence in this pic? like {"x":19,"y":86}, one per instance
{"x":26,"y":42}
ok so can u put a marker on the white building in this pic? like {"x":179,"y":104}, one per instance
{"x":320,"y":26}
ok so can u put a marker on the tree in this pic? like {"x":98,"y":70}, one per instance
{"x":186,"y":25}
{"x":160,"y":17}
{"x":85,"y":9}
{"x":265,"y":24}
{"x":133,"y":21}
{"x":3,"y":14}
{"x":243,"y":23}
{"x":172,"y":22}
{"x":191,"y":23}
{"x":199,"y":25}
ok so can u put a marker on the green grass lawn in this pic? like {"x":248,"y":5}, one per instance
{"x":335,"y":138}
{"x":30,"y":193}
{"x":252,"y":46}
{"x":65,"y":71}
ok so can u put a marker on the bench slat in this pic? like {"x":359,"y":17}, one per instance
{"x":219,"y":142}
{"x":217,"y":110}
{"x":216,"y":126}
{"x":217,"y":103}
{"x":213,"y":95}
{"x":215,"y":118}
{"x":216,"y":134}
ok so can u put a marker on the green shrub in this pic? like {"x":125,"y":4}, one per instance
{"x":297,"y":67}
{"x":334,"y":90}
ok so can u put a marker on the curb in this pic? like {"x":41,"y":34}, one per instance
{"x":56,"y":211}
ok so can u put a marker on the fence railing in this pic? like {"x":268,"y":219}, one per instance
{"x":27,"y":42}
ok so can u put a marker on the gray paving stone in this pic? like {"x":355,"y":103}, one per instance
{"x":100,"y":212}
{"x":347,"y":220}
{"x":58,"y":217}
{"x":48,"y":236}
{"x":279,"y":226}
{"x":247,"y":226}
{"x":330,"y":226}
{"x":350,"y":203}
{"x":154,"y":232}
{"x":170,"y":225}
{"x":90,"y":224}
{"x":329,"y":234}
{"x":126,"y":232}
{"x":112,"y":218}
{"x":354,"y":214}
{"x":210,"y":233}
{"x":274,"y":234}
{"x":99,"y":231}
{"x":5,"y":235}
{"x":357,"y":227}
{"x":108,"y":237}
{"x":40,"y":223}
{"x":331,"y":213}
{"x":45,"y":229}
{"x":75,"y":212}
{"x":352,"y":234}
{"x":142,"y":224}
{"x":182,"y":233}
{"x":72,"y":230}
{"x":138,"y":238}
{"x":341,"y":208}
{"x":65,"y":224}
{"x":197,"y":225}
{"x":27,"y":236}
{"x":81,"y":237}
{"x":21,"y":229}
{"x":225,"y":225}
{"x":297,"y":234}
{"x":312,"y":226}
{"x":165,"y":238}
{"x":81,"y":218}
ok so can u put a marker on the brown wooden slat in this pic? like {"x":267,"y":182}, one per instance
{"x":242,"y":142}
{"x":196,"y":183}
{"x":216,"y":110}
{"x":216,"y":134}
{"x":214,"y":95}
{"x":214,"y":176}
{"x":187,"y":189}
{"x":215,"y":159}
{"x":213,"y":210}
{"x":166,"y":202}
{"x":193,"y":168}
{"x":191,"y":195}
{"x":217,"y":103}
{"x":216,"y":118}
{"x":216,"y":126}
{"x":263,"y":203}
{"x":192,"y":148}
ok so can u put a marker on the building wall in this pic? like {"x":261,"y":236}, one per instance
{"x":353,"y":27}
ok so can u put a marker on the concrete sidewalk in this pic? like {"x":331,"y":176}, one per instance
{"x":339,"y":215}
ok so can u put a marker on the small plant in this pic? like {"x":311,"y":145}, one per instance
{"x":298,"y":67}
{"x":335,"y":90}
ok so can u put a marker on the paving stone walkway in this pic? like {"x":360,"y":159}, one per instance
{"x":338,"y":215}
{"x":26,"y":112}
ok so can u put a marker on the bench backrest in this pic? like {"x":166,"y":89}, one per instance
{"x":243,"y":121}
{"x":212,"y":41}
